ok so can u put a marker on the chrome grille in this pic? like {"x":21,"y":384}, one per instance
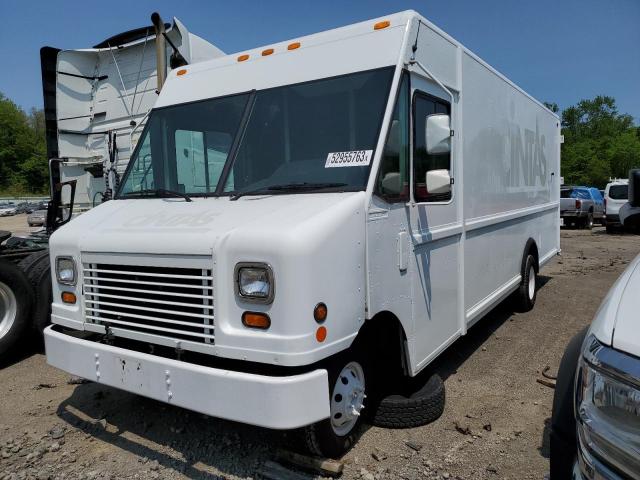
{"x":171,"y":302}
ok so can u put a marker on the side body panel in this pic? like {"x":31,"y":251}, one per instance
{"x":511,"y":184}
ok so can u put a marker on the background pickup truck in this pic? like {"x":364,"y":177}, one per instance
{"x":581,"y":206}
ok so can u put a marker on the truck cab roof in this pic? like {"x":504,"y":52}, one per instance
{"x":362,"y":46}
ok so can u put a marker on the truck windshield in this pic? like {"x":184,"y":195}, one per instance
{"x":320,"y":134}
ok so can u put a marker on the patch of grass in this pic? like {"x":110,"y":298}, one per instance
{"x":19,"y":191}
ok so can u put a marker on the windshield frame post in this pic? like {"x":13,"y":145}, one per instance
{"x":386,"y":124}
{"x":233,"y":151}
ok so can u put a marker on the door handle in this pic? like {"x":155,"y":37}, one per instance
{"x":402,"y":247}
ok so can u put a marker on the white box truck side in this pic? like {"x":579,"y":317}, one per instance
{"x":461,"y":254}
{"x":307,"y":224}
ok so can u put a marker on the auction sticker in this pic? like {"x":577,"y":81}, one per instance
{"x":357,"y":158}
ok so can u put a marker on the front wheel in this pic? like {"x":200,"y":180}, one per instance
{"x":334,"y":436}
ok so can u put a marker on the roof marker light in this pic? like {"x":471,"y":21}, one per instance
{"x":293,"y":46}
{"x":381,"y":25}
{"x":266,"y":52}
{"x":181,"y":72}
{"x":242,"y":58}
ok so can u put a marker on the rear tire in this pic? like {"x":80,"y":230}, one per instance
{"x":588,"y":222}
{"x":37,"y":267}
{"x":526,"y":293}
{"x":348,"y":383}
{"x":16,"y":298}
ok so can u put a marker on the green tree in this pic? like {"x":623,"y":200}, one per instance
{"x":23,"y":159}
{"x":599,"y":142}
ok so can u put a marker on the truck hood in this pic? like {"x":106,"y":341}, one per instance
{"x":617,"y":322}
{"x":174,"y":226}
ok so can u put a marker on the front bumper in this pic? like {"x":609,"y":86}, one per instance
{"x":613,"y":219}
{"x":589,"y":467}
{"x":279,"y":402}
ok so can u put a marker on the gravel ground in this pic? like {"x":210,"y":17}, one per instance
{"x":495,"y":424}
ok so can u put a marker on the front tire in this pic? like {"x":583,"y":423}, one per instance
{"x":563,"y":446}
{"x":334,"y":436}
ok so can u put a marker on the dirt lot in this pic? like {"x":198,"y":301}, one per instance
{"x":50,"y":428}
{"x":17,"y":224}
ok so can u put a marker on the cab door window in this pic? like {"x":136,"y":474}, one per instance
{"x":423,"y":106}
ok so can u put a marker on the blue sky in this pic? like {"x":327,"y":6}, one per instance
{"x":560,"y":51}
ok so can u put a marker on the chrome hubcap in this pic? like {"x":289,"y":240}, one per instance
{"x":8,"y":309}
{"x":532,"y":282}
{"x":347,"y":398}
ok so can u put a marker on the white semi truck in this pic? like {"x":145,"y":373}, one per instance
{"x":304,"y":227}
{"x":96,"y":101}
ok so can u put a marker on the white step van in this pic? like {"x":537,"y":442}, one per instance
{"x":296,"y":217}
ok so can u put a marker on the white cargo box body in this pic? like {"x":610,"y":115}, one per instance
{"x":433,"y":264}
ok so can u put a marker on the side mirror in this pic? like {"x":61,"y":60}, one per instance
{"x":438,"y":134}
{"x":59,"y":213}
{"x":438,"y":182}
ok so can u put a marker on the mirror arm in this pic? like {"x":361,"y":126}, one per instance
{"x":433,"y":77}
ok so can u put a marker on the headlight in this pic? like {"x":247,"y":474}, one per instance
{"x":254,"y":282}
{"x":66,"y":270}
{"x":608,"y":405}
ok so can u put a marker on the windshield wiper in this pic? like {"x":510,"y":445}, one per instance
{"x":162,"y":192}
{"x":289,"y":187}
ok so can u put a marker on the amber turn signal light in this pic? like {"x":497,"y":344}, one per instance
{"x":256,"y":320}
{"x":381,"y":25}
{"x":321,"y":334}
{"x":320,"y":312}
{"x":68,"y":297}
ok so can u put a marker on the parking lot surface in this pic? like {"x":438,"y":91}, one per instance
{"x":495,"y":423}
{"x":17,"y":224}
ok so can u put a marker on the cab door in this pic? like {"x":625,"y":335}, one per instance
{"x":388,"y":244}
{"x":435,"y":233}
